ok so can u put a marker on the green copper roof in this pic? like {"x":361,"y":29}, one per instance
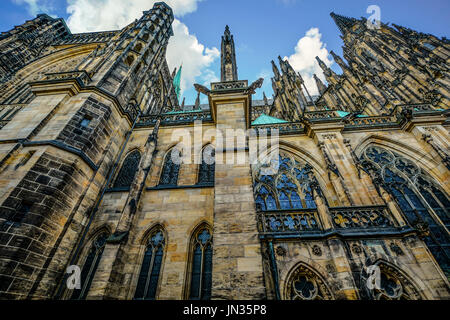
{"x":265,"y":119}
{"x":342,"y":114}
{"x":177,"y":82}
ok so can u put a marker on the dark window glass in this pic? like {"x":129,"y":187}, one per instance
{"x":21,"y":211}
{"x":169,"y":175}
{"x":290,"y":187}
{"x":90,"y":266}
{"x":128,"y":171}
{"x":85,"y":122}
{"x":417,"y":197}
{"x":151,"y":267}
{"x":207,"y":168}
{"x":201,"y":275}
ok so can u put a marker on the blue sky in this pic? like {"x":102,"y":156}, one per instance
{"x":263,"y":29}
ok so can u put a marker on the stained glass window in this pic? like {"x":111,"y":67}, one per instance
{"x":128,"y":171}
{"x":288,"y":189}
{"x":201,"y":274}
{"x":418,"y":196}
{"x":90,"y":266}
{"x":207,"y":168}
{"x":151,"y":267}
{"x":169,"y":175}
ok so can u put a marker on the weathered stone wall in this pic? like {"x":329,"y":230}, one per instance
{"x":237,"y":261}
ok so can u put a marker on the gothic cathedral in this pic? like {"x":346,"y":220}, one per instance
{"x":89,"y":185}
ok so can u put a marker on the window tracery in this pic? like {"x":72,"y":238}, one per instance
{"x":288,"y":189}
{"x":128,"y":171}
{"x":90,"y":266}
{"x":201,"y":273}
{"x":418,"y":196}
{"x":151,"y":266}
{"x":207,"y":170}
{"x":393,"y":285}
{"x":170,"y":170}
{"x":305,"y":284}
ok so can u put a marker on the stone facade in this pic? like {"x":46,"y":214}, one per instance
{"x":363,"y":179}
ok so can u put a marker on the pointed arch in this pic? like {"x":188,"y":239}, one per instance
{"x":424,"y":159}
{"x":290,"y":187}
{"x":128,"y":170}
{"x":304,"y":156}
{"x":394,"y":284}
{"x":304,"y":283}
{"x":170,"y":169}
{"x":424,"y":204}
{"x":199,"y":271}
{"x":206,"y":170}
{"x":96,"y":246}
{"x":155,"y":241}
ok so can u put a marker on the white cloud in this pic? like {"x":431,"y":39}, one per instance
{"x":95,"y":15}
{"x":99,"y":15}
{"x":304,"y":58}
{"x":185,"y":49}
{"x":34,"y":6}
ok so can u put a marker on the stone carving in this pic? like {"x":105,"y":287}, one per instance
{"x":202,"y":89}
{"x":255,"y":85}
{"x":316,"y":250}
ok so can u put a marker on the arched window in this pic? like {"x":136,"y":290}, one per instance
{"x":305,"y":284}
{"x":129,"y":60}
{"x":90,"y":266}
{"x":288,"y":189}
{"x":393,"y":285}
{"x":151,"y":266}
{"x":128,"y":171}
{"x":201,"y":272}
{"x":420,"y":199}
{"x":170,"y":170}
{"x":207,"y":168}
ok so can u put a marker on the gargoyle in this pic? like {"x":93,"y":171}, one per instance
{"x":255,"y":85}
{"x":202,"y":89}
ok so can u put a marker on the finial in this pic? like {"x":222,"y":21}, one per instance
{"x":197,"y":102}
{"x":275,"y":69}
{"x":344,"y":23}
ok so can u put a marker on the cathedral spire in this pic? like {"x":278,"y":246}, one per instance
{"x":322,"y":65}
{"x":339,"y":60}
{"x":343,"y":23}
{"x":276,"y":71}
{"x":283,"y":65}
{"x":266,"y":102}
{"x":322,"y":88}
{"x":197,"y":102}
{"x":228,"y":57}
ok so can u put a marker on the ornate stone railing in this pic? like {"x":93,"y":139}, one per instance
{"x":284,"y":128}
{"x":80,"y":76}
{"x":361,"y":217}
{"x":91,"y":37}
{"x":321,"y":115}
{"x":175,"y":118}
{"x":276,"y":222}
{"x":418,"y":107}
{"x":7,"y":112}
{"x":368,"y":122}
{"x":230,"y":85}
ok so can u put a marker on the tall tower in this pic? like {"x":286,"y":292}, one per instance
{"x":228,"y":58}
